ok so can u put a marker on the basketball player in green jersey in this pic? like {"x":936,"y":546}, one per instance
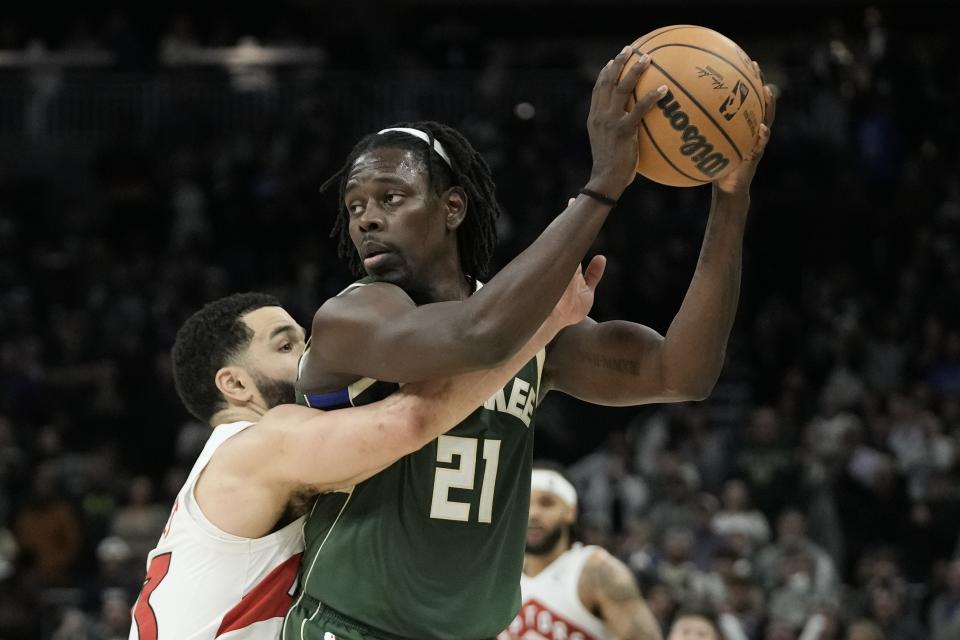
{"x":432,"y":547}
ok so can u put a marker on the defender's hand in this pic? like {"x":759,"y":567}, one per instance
{"x":577,"y":300}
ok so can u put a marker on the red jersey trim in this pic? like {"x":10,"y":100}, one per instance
{"x":528,"y":622}
{"x":271,"y":598}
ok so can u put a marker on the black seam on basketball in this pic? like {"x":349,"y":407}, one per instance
{"x":699,"y":106}
{"x":660,"y":33}
{"x":763,"y":108}
{"x":664,"y":156}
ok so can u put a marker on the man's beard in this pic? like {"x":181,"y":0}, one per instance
{"x":275,"y":392}
{"x":546,"y":545}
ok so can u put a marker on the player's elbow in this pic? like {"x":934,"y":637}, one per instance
{"x":697,"y":391}
{"x":696,"y":387}
{"x":691,"y":386}
{"x":685,"y":380}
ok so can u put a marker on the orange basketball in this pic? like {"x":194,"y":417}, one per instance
{"x":710,"y":116}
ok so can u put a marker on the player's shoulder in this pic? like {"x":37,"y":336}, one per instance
{"x":281,"y":418}
{"x":359,"y":299}
{"x":596,"y":555}
{"x":604,"y":577}
{"x":249,"y":444}
{"x":601,"y":563}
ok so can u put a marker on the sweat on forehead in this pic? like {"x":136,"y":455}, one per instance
{"x":388,"y":159}
{"x":406,"y":163}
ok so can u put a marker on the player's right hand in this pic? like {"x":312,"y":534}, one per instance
{"x":738,"y":181}
{"x":577,"y":300}
{"x":613,"y":129}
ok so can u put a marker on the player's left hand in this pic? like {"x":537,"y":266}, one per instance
{"x":738,"y":181}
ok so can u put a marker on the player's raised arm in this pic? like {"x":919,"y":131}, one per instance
{"x":625,"y":363}
{"x":406,"y":235}
{"x":332,"y":450}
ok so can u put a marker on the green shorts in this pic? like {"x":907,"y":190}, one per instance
{"x":311,"y":620}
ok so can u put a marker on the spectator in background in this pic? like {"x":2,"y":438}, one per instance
{"x":738,"y":522}
{"x":743,"y":610}
{"x":916,"y":438}
{"x":674,"y":495}
{"x":706,"y":540}
{"x":885,"y":606}
{"x":114,"y":620}
{"x":795,"y":597}
{"x":686,"y":432}
{"x":118,"y":573}
{"x":675,"y":569}
{"x":792,"y":534}
{"x":48,"y":533}
{"x":608,"y":488}
{"x":694,"y":624}
{"x":8,"y":553}
{"x":73,"y":624}
{"x":876,"y":513}
{"x":767,"y":462}
{"x":12,"y":462}
{"x":662,"y":605}
{"x":829,"y":431}
{"x":863,"y":629}
{"x":140,"y":522}
{"x":945,"y":610}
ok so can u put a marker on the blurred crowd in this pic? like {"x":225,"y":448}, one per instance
{"x":814,"y":496}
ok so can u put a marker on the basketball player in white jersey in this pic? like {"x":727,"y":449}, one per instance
{"x":571,"y":591}
{"x":227,"y":560}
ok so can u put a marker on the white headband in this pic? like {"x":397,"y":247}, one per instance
{"x":552,"y":482}
{"x":416,"y":133}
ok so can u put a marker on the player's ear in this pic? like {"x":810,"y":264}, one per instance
{"x":455,"y":205}
{"x":235,"y":385}
{"x":571,"y":517}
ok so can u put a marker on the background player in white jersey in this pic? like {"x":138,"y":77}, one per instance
{"x":227,"y":560}
{"x":571,"y":591}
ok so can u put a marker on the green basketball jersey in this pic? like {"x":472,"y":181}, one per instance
{"x":431,"y":547}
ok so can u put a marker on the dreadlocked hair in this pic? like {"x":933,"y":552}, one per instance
{"x":477,"y":235}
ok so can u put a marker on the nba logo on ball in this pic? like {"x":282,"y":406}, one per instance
{"x":709,"y":119}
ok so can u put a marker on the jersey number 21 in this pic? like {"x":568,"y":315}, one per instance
{"x":464,"y":477}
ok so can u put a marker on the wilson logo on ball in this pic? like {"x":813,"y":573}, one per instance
{"x":693,"y":143}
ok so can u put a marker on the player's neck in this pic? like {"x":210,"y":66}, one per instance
{"x":249,"y":413}
{"x":440,"y":277}
{"x":442,"y":285}
{"x":534,"y":564}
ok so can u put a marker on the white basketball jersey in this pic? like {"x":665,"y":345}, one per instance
{"x":203,"y":583}
{"x":551,"y":608}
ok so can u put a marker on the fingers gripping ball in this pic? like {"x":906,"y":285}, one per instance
{"x":709,"y":118}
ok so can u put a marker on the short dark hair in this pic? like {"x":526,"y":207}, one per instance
{"x":477,"y":236}
{"x":206,"y":342}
